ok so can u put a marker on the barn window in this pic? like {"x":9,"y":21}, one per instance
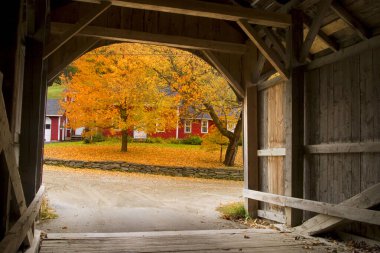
{"x":204,"y":128}
{"x":187,"y":126}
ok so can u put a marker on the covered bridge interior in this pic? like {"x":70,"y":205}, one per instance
{"x":308,"y":72}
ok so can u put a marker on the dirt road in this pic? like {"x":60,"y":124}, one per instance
{"x":107,"y":201}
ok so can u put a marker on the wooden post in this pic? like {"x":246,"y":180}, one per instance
{"x":10,"y":70}
{"x":293,"y":172}
{"x":250,"y":131}
{"x":33,"y":108}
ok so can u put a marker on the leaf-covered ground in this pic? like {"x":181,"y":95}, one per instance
{"x":143,"y":153}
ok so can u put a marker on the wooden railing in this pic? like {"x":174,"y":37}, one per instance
{"x":21,"y":230}
{"x":14,"y":237}
{"x":353,"y":209}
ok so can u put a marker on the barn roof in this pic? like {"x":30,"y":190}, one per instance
{"x":53,"y":107}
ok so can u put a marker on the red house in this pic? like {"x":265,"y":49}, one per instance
{"x":186,"y":127}
{"x":55,"y":122}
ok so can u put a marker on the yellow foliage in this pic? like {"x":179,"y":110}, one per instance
{"x":113,"y":89}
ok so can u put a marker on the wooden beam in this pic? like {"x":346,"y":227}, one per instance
{"x":346,"y":212}
{"x":250,"y":132}
{"x":95,"y":12}
{"x":334,"y":46}
{"x":353,"y":22}
{"x":335,"y":148}
{"x":225,"y":73}
{"x":7,"y":142}
{"x":157,"y":39}
{"x":371,"y":43}
{"x":269,"y":54}
{"x":251,"y":161}
{"x":323,"y":223}
{"x":14,"y":237}
{"x":272,"y":152}
{"x":276,"y":42}
{"x":280,"y":218}
{"x":293,"y":114}
{"x":207,"y":10}
{"x":54,"y":70}
{"x":266,"y":84}
{"x":35,"y":247}
{"x":1,"y":86}
{"x":323,"y":6}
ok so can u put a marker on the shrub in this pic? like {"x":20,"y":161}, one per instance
{"x":174,"y":141}
{"x":154,"y":140}
{"x":46,"y":212}
{"x":192,"y":140}
{"x":97,"y":137}
{"x":232,"y":211}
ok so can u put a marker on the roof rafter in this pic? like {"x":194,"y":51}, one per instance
{"x":224,"y":72}
{"x":151,"y":38}
{"x":353,"y":22}
{"x":321,"y":34}
{"x":323,"y":6}
{"x":269,"y":54}
{"x":205,"y":9}
{"x":83,"y":22}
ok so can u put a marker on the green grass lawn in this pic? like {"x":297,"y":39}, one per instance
{"x":55,"y":91}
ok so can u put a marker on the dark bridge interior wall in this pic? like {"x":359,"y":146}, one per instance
{"x":342,"y":105}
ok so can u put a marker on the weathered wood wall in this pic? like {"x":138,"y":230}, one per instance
{"x":271,"y":135}
{"x":342,"y":105}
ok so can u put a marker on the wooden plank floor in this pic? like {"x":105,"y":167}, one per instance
{"x":237,"y":240}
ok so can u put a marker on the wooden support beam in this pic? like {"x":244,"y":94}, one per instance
{"x":95,"y":12}
{"x":294,"y":128}
{"x":345,"y":53}
{"x":235,"y":85}
{"x":157,"y":39}
{"x":250,"y":132}
{"x":272,"y":152}
{"x":333,"y":45}
{"x":35,"y":247}
{"x":346,"y":212}
{"x":323,"y":223}
{"x":323,"y":6}
{"x":14,"y":237}
{"x":266,"y":84}
{"x":7,"y":142}
{"x":336,"y":148}
{"x":269,"y":54}
{"x":12,"y":164}
{"x":280,"y":218}
{"x":276,"y":42}
{"x":353,"y":22}
{"x":207,"y":10}
{"x":54,"y":68}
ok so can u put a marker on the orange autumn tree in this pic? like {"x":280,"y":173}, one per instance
{"x":113,"y":89}
{"x":200,"y":87}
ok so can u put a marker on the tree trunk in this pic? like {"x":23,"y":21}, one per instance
{"x":124,"y":132}
{"x":232,"y":148}
{"x":233,"y":145}
{"x":124,"y":141}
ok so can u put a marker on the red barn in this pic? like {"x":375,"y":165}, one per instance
{"x":185,"y":128}
{"x":55,"y":122}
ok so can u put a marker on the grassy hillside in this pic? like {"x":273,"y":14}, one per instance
{"x":55,"y":91}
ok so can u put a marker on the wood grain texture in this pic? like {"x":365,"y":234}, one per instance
{"x":205,"y":9}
